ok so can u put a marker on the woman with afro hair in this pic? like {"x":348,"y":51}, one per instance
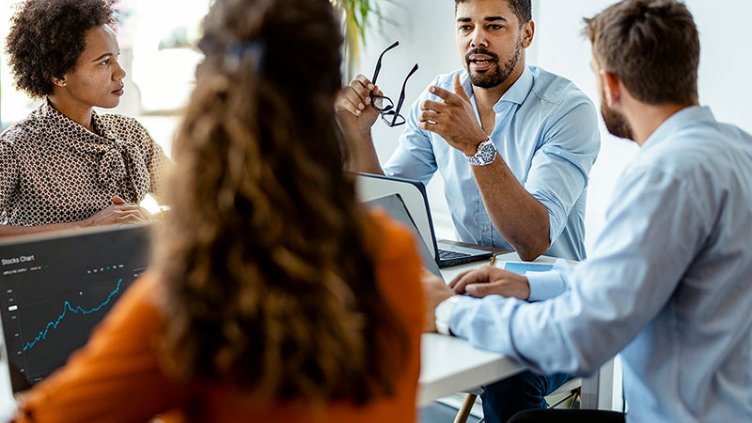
{"x":65,"y":166}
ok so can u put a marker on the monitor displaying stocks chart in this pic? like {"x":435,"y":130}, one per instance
{"x":56,"y":288}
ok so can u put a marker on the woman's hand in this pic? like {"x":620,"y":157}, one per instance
{"x":119,"y":213}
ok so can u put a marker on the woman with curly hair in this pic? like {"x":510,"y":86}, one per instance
{"x":65,"y":166}
{"x":274,"y":296}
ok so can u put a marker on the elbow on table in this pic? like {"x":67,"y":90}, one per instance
{"x":532,"y":250}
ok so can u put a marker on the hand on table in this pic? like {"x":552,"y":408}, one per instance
{"x":119,"y":213}
{"x":489,"y":280}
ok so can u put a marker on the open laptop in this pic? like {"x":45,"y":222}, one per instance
{"x":55,"y":288}
{"x":413,"y":194}
{"x":395,"y":207}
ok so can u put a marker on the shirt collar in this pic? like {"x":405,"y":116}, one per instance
{"x":682,"y":118}
{"x":59,"y":119}
{"x":516,"y":94}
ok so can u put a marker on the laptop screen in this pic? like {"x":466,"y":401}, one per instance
{"x":55,"y":288}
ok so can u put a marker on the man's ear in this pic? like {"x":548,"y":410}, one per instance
{"x":528,"y":32}
{"x":612,"y":87}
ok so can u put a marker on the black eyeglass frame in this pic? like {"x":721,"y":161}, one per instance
{"x":390,"y":114}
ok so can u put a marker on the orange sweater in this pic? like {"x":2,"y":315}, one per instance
{"x":116,"y":376}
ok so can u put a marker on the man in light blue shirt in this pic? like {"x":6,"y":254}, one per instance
{"x":513,"y":143}
{"x":529,"y":197}
{"x":668,"y":281}
{"x":546,"y":132}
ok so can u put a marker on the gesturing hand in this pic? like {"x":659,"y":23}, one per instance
{"x":453,"y":118}
{"x":119,"y":213}
{"x":489,"y":280}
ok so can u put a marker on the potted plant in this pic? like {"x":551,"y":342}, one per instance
{"x":357,"y":16}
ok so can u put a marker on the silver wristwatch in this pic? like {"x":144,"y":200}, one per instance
{"x":484,"y":155}
{"x":443,"y":313}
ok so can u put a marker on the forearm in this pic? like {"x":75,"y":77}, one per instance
{"x":518,"y":216}
{"x":363,"y":157}
{"x":13,"y":230}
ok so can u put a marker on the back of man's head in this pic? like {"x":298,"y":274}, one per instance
{"x":652,"y":46}
{"x":521,"y":8}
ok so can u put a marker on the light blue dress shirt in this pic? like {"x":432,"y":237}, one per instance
{"x":669,"y":284}
{"x":547,"y":133}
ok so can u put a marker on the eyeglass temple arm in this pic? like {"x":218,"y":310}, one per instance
{"x":402,"y":93}
{"x":378,"y":62}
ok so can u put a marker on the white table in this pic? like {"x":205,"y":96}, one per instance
{"x":450,"y":365}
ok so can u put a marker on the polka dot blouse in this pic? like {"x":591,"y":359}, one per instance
{"x":53,"y":170}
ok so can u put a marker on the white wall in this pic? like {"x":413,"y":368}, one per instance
{"x":425,"y":29}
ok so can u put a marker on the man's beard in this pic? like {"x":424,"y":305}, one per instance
{"x":495,"y":76}
{"x":615,"y":122}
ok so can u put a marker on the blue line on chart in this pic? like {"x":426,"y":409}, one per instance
{"x":78,"y":310}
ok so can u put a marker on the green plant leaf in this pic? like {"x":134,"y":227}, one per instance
{"x":358,"y":16}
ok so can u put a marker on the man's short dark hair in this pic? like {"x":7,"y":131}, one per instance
{"x":523,"y":9}
{"x":652,"y":45}
{"x":47,"y":37}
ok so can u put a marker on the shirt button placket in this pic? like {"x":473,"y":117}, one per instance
{"x":486,"y":235}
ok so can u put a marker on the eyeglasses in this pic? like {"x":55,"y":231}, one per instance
{"x":385,"y":105}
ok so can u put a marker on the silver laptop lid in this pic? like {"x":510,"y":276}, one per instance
{"x":412,"y":193}
{"x":394,"y":205}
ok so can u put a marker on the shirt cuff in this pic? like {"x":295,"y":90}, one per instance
{"x":485,"y":322}
{"x":459,"y":310}
{"x":545,"y":285}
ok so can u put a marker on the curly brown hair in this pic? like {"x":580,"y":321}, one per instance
{"x":47,"y":37}
{"x":267,"y":256}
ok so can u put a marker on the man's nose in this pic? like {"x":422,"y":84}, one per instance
{"x":479,"y":38}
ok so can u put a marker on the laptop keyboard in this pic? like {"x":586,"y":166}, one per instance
{"x":451,"y":255}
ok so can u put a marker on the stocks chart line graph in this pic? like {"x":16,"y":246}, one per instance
{"x":67,"y":306}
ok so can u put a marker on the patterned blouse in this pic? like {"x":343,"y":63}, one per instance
{"x":53,"y":170}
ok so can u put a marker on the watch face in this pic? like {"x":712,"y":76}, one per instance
{"x":485,"y":154}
